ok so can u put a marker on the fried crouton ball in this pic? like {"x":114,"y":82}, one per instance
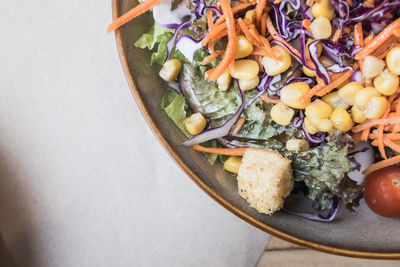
{"x":265,"y":179}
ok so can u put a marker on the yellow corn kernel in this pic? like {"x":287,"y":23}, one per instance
{"x":325,"y":125}
{"x":309,"y":127}
{"x":334,"y":100}
{"x":232,"y":164}
{"x":291,"y":93}
{"x":323,"y":8}
{"x":357,"y":115}
{"x":245,"y":69}
{"x":321,"y":28}
{"x":393,"y":60}
{"x":273,"y":66}
{"x":308,"y":72}
{"x":170,"y":69}
{"x":297,"y":145}
{"x":341,"y":120}
{"x":372,"y":66}
{"x":386,"y":83}
{"x":326,"y":61}
{"x":224,"y":80}
{"x":243,"y":47}
{"x":376,"y":107}
{"x":250,"y":15}
{"x":247,"y":85}
{"x":195,"y":124}
{"x":319,"y":109}
{"x":348,"y":92}
{"x":363,"y":96}
{"x":319,"y":48}
{"x":282,"y":114}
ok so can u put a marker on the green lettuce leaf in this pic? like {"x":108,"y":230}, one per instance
{"x":176,"y":108}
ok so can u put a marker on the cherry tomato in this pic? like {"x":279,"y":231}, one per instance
{"x":382,"y":191}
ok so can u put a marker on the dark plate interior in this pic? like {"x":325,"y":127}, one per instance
{"x":359,"y":234}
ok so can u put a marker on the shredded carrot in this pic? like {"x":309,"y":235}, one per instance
{"x":381,"y":164}
{"x":263,"y":24}
{"x":238,"y":126}
{"x":210,"y":21}
{"x":364,"y":134}
{"x":391,"y":144}
{"x":229,"y":55}
{"x":271,"y":101}
{"x":235,"y":10}
{"x":255,"y":34}
{"x":368,"y":40}
{"x":246,"y":32}
{"x":259,"y":11}
{"x":310,"y":2}
{"x":336,"y":35}
{"x":306,"y":24}
{"x":219,"y":36}
{"x":386,"y":33}
{"x":213,"y":33}
{"x":277,"y":1}
{"x":376,"y":122}
{"x":379,"y":135}
{"x":211,"y":58}
{"x":131,"y":14}
{"x":321,"y":89}
{"x":358,"y":35}
{"x":221,"y":151}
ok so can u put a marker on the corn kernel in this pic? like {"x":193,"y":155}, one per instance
{"x":170,"y":69}
{"x":334,"y":100}
{"x":357,"y":115}
{"x":297,"y":145}
{"x":319,"y":109}
{"x":273,"y":66}
{"x":308,"y":72}
{"x":319,"y":48}
{"x":393,"y":60}
{"x":386,"y":83}
{"x":232,"y":164}
{"x":348,"y":92}
{"x":325,"y":125}
{"x":323,"y":8}
{"x":363,"y":96}
{"x":245,"y":69}
{"x":195,"y":124}
{"x":250,"y":15}
{"x":247,"y":85}
{"x":341,"y":120}
{"x":376,"y":107}
{"x":224,"y":80}
{"x":321,"y":28}
{"x":372,"y":66}
{"x":309,"y":127}
{"x":291,"y":93}
{"x":243,"y":47}
{"x":326,"y":61}
{"x":282,"y":114}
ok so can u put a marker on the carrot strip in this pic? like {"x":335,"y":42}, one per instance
{"x":219,"y":36}
{"x":131,"y":14}
{"x":372,"y":123}
{"x":392,"y":144}
{"x":387,"y":32}
{"x":379,"y":135}
{"x":368,"y":40}
{"x":306,"y":24}
{"x":235,"y":10}
{"x":336,"y":35}
{"x":271,"y":101}
{"x":229,"y":55}
{"x":263,"y":25}
{"x":221,"y":151}
{"x":358,"y":35}
{"x":259,"y":11}
{"x":211,"y":58}
{"x":210,"y":21}
{"x":245,"y":31}
{"x":254,"y":33}
{"x":364,"y":134}
{"x":213,"y":33}
{"x":381,"y":164}
{"x":238,"y":126}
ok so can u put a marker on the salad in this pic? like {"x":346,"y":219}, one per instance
{"x":282,"y":91}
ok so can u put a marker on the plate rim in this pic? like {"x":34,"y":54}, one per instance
{"x":208,"y":190}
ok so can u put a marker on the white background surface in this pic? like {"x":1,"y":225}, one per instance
{"x":82,"y":180}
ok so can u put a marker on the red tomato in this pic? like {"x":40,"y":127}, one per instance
{"x":382,"y":191}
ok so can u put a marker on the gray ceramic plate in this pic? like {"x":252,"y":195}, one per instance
{"x":359,"y":234}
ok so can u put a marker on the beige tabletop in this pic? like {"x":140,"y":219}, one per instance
{"x":83,"y":181}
